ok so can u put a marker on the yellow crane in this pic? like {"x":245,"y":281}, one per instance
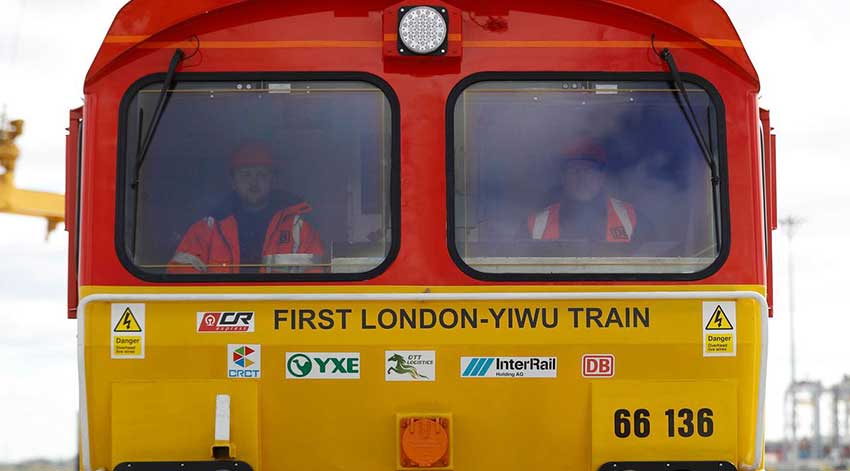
{"x":13,"y":200}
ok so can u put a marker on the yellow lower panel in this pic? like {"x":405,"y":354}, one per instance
{"x":175,"y":420}
{"x":161,"y":406}
{"x":679,"y":421}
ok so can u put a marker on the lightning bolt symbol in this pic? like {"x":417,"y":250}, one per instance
{"x":127,"y":322}
{"x":718,"y":320}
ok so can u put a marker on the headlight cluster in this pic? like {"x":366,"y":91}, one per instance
{"x":422,"y":30}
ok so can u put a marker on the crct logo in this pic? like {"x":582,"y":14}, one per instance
{"x":226,"y":321}
{"x":322,"y":365}
{"x":410,"y":365}
{"x":597,"y":366}
{"x":243,"y":361}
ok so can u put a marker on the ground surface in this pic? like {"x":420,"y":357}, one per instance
{"x":40,"y":465}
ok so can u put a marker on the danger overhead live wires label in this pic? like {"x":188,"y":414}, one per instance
{"x":719,"y":333}
{"x":127,"y":328}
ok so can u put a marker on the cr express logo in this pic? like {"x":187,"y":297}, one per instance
{"x":226,"y":321}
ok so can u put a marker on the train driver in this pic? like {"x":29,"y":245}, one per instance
{"x":257,"y":230}
{"x":585,"y":211}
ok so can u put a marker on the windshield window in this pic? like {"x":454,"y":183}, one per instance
{"x":259,"y":177}
{"x":583,"y":177}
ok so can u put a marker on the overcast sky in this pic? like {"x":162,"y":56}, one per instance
{"x":46,"y":47}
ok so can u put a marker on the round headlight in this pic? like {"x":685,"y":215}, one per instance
{"x":422,"y":30}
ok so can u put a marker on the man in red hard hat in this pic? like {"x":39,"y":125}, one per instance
{"x":258,"y":230}
{"x":585,"y":211}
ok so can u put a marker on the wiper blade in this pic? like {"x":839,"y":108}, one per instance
{"x":167,"y":84}
{"x":690,"y":115}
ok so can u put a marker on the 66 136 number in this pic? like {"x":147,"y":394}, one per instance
{"x":680,"y":423}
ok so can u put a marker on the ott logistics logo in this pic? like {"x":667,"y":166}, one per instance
{"x":226,"y":321}
{"x":243,"y":361}
{"x":411,"y":365}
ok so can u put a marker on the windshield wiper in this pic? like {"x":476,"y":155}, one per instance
{"x":688,"y":110}
{"x":167,"y":84}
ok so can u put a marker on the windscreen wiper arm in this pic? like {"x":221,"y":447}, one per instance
{"x":167,"y":84}
{"x":691,"y":117}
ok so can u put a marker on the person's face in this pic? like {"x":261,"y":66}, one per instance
{"x":583,"y":179}
{"x":252,"y":185}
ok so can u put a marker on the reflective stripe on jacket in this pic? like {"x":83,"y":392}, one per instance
{"x":622,"y":221}
{"x":212,"y":246}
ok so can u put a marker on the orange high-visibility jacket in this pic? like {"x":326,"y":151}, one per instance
{"x":212,"y":245}
{"x":622,"y":221}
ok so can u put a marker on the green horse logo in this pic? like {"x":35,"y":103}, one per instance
{"x":401,"y":367}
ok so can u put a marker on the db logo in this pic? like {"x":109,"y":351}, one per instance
{"x":597,"y":366}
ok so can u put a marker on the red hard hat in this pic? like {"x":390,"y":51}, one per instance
{"x":585,"y":149}
{"x":251,"y":155}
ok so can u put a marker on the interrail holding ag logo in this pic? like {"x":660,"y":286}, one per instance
{"x":508,"y":367}
{"x":226,"y":321}
{"x":322,"y":365}
{"x":597,"y":366}
{"x":243,"y":361}
{"x":410,"y":365}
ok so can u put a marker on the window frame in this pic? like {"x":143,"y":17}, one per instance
{"x":720,"y":196}
{"x":123,"y":192}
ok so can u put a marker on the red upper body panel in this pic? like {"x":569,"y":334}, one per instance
{"x":142,"y":20}
{"x":257,"y":36}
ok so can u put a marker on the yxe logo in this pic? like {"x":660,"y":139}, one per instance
{"x":322,"y":365}
{"x":508,"y":367}
{"x":410,"y":365}
{"x":226,"y":321}
{"x":243,"y":361}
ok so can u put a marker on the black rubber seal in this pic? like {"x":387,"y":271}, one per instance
{"x":221,"y":465}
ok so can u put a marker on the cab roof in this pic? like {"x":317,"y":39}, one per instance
{"x":141,"y":20}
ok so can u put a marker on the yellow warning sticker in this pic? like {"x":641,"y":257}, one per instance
{"x":719,"y":343}
{"x":719,"y":335}
{"x":128,"y":331}
{"x":127,"y":323}
{"x":127,"y":346}
{"x":719,"y":320}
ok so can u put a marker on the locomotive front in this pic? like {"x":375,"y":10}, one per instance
{"x":466,"y":235}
